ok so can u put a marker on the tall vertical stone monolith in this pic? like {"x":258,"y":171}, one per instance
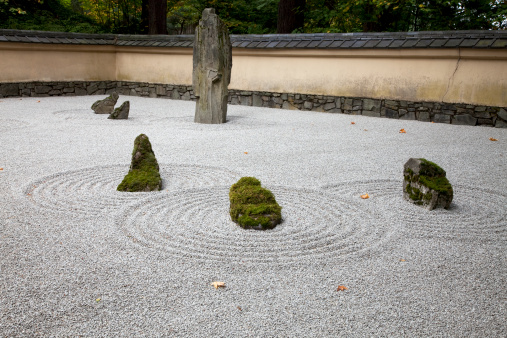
{"x":212,"y":65}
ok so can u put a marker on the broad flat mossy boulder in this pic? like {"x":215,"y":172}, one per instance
{"x":143,"y":174}
{"x":425,"y":184}
{"x":252,"y":206}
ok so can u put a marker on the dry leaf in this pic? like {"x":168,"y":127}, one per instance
{"x":365,"y":196}
{"x":246,"y":152}
{"x":38,"y":101}
{"x":218,"y":285}
{"x":1,"y":168}
{"x":239,"y":308}
{"x":341,"y":288}
{"x":402,"y":131}
{"x":493,"y":139}
{"x":97,"y":300}
{"x":402,"y":260}
{"x":352,"y":123}
{"x":366,"y":130}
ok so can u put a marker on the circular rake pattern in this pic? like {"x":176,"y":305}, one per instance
{"x":475,"y":213}
{"x":195,"y":224}
{"x":92,"y":191}
{"x":7,"y":125}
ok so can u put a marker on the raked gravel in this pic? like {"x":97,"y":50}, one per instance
{"x":78,"y":258}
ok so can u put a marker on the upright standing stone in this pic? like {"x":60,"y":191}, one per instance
{"x":122,"y":112}
{"x":212,"y":65}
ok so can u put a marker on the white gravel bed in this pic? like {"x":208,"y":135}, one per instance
{"x":78,"y":258}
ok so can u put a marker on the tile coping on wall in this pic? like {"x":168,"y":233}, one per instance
{"x":397,"y":40}
{"x":440,"y":112}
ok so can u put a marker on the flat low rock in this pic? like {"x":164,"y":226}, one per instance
{"x":425,"y":184}
{"x":105,"y":106}
{"x":121,"y":113}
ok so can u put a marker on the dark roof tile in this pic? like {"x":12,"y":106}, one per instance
{"x":325,"y":43}
{"x":396,"y":43}
{"x":336,"y":43}
{"x":468,"y":43}
{"x":272,"y":44}
{"x":303,"y":44}
{"x":282,"y":44}
{"x":293,"y":43}
{"x":438,"y":43}
{"x":409,"y":43}
{"x":359,"y":44}
{"x":499,"y":43}
{"x":484,"y":43}
{"x":384,"y":43}
{"x":371,"y":43}
{"x":453,"y":42}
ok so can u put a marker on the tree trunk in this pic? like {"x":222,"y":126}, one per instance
{"x":291,"y":16}
{"x":157,"y":17}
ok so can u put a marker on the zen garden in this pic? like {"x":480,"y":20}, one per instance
{"x":267,"y":168}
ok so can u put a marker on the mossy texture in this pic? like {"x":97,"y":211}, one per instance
{"x":144,"y":170}
{"x":253,"y":206}
{"x":429,"y":177}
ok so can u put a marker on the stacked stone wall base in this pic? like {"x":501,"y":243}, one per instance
{"x":438,"y":112}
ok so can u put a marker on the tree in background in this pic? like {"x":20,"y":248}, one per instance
{"x":291,"y":16}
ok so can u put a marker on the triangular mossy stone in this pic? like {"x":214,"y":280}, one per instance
{"x":252,"y":206}
{"x":143,"y":174}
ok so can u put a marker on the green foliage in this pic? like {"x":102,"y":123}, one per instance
{"x":253,"y":206}
{"x":143,"y":174}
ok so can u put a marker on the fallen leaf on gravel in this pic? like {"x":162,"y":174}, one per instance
{"x":493,"y":139}
{"x":239,"y":308}
{"x":246,"y":152}
{"x":402,"y":260}
{"x":352,"y":123}
{"x":1,"y":168}
{"x":366,"y":130}
{"x":218,"y":285}
{"x":365,"y":196}
{"x":38,"y":101}
{"x":402,"y":131}
{"x":341,"y":288}
{"x":97,"y":300}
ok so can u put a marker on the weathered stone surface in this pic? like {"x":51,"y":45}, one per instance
{"x":121,"y":113}
{"x":252,"y":206}
{"x":423,"y":116}
{"x":105,"y":106}
{"x":329,"y":106}
{"x":372,"y":105}
{"x":371,"y":113}
{"x":308,"y":105}
{"x":500,"y":124}
{"x":502,"y":113}
{"x":408,"y":116}
{"x":144,"y":170}
{"x":425,"y":184}
{"x":442,"y":118}
{"x":465,"y":119}
{"x":9,"y":89}
{"x":212,"y":63}
{"x":42,"y":89}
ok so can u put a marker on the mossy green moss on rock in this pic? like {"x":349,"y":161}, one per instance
{"x":252,"y":206}
{"x":144,"y":170}
{"x":105,"y":106}
{"x":425,"y":184}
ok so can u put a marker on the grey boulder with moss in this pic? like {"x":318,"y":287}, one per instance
{"x":144,"y":170}
{"x":252,"y":206}
{"x":105,"y":106}
{"x":121,"y":113}
{"x":425,"y":184}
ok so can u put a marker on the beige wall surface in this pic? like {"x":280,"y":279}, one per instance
{"x":442,"y":75}
{"x":38,"y":62}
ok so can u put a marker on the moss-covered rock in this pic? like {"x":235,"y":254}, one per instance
{"x":121,"y":113}
{"x":143,"y":174}
{"x":252,"y":206}
{"x":425,"y":184}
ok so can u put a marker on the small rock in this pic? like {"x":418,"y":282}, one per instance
{"x":105,"y":106}
{"x":121,"y":113}
{"x":425,"y":184}
{"x":144,"y":170}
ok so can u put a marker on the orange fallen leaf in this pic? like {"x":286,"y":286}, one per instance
{"x":365,"y":196}
{"x":239,"y":308}
{"x":402,"y":131}
{"x":1,"y":168}
{"x":402,"y":260}
{"x":493,"y":139}
{"x":38,"y":101}
{"x":246,"y":152}
{"x":218,"y":285}
{"x":341,"y":288}
{"x":352,"y":123}
{"x":365,"y":129}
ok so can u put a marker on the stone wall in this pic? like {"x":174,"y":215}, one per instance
{"x":439,"y":112}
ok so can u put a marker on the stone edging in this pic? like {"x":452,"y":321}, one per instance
{"x":460,"y":113}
